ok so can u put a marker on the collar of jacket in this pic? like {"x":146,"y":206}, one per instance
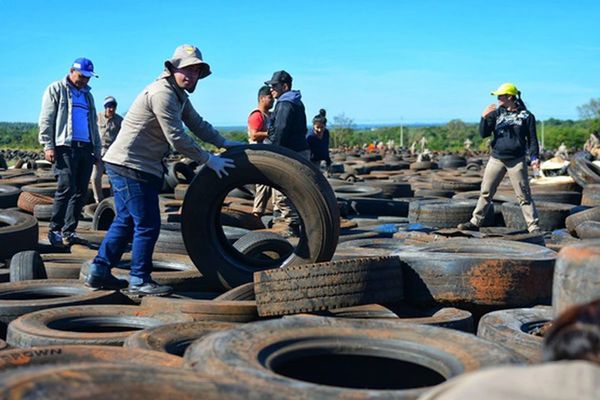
{"x":181,"y":94}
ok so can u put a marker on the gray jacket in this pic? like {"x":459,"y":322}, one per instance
{"x":55,"y":122}
{"x":155,"y":121}
{"x":109,"y":129}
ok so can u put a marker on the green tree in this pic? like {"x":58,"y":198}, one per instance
{"x":342,"y":131}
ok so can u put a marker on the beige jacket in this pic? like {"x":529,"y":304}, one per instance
{"x":153,"y":123}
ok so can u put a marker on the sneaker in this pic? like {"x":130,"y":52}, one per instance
{"x":150,"y":288}
{"x":109,"y":282}
{"x":55,"y":239}
{"x":468,"y":226}
{"x":72,"y":238}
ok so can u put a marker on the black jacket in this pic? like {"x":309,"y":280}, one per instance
{"x":514,"y":133}
{"x":288,"y":122}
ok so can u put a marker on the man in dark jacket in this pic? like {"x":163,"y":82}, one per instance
{"x":287,"y":129}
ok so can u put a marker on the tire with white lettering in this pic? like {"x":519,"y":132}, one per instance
{"x":13,"y":359}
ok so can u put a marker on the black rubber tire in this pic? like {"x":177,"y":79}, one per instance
{"x":563,"y":196}
{"x":278,"y":167}
{"x":336,"y":358}
{"x":202,"y":310}
{"x":64,"y":265}
{"x":422,"y":165}
{"x":371,"y":206}
{"x":321,"y":286}
{"x":27,"y":265}
{"x":9,"y":196}
{"x":582,"y":170}
{"x":18,"y":232}
{"x":452,"y":161}
{"x":175,"y":338}
{"x":43,"y":212}
{"x":107,"y":325}
{"x":270,"y":248}
{"x":357,"y":190}
{"x":392,"y":189}
{"x":591,"y":195}
{"x":441,"y":213}
{"x":573,"y":220}
{"x":45,"y":188}
{"x":552,"y":215}
{"x":478,"y":272}
{"x":104,"y":214}
{"x":240,"y":293}
{"x":19,"y":298}
{"x":112,"y":381}
{"x":576,"y":275}
{"x":458,"y":184}
{"x":178,"y":172}
{"x":13,"y":359}
{"x":588,"y":230}
{"x":513,"y":329}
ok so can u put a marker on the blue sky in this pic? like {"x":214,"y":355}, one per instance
{"x":376,"y":62}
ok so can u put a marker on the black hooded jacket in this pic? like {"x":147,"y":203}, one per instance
{"x":288,"y":123}
{"x":514,"y":133}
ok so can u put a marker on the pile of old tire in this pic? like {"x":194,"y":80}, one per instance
{"x":575,"y":220}
{"x":336,"y":358}
{"x":478,"y":274}
{"x":582,"y":170}
{"x":285,"y":170}
{"x":551,"y":215}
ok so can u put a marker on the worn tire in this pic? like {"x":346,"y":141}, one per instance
{"x":582,"y":170}
{"x":18,"y":232}
{"x":107,"y":325}
{"x":552,"y":215}
{"x":513,"y":329}
{"x":200,"y":310}
{"x":9,"y":196}
{"x":336,"y":358}
{"x":104,"y":214}
{"x":27,"y":265}
{"x":27,"y":201}
{"x":573,"y":220}
{"x":591,"y":195}
{"x":270,"y":165}
{"x":321,"y":286}
{"x":175,"y":338}
{"x":269,"y":247}
{"x":358,"y":190}
{"x":242,"y":292}
{"x":588,"y":230}
{"x":478,"y":272}
{"x":576,"y":275}
{"x":441,"y":213}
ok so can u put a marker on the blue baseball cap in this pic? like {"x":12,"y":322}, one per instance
{"x":85,"y":66}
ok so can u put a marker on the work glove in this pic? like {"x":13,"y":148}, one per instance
{"x":232,"y":143}
{"x":218,"y":164}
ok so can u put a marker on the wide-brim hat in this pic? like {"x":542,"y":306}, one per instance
{"x":186,"y":55}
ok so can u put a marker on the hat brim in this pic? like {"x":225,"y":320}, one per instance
{"x":87,"y":74}
{"x":204,"y":72}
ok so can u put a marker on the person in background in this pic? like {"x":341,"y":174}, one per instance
{"x":109,"y":124}
{"x":514,"y":134}
{"x":258,"y":130}
{"x":287,"y":129}
{"x":318,"y":140}
{"x":68,"y":130}
{"x":134,"y":166}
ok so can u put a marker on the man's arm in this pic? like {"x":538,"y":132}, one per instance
{"x":255,"y":122}
{"x":279,"y":125}
{"x":47,"y":120}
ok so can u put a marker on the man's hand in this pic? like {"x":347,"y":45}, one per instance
{"x":488,"y":110}
{"x":232,"y":143}
{"x":535,"y":164}
{"x":49,"y":155}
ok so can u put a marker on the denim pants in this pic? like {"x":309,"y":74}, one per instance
{"x":72,"y":168}
{"x":137,"y":220}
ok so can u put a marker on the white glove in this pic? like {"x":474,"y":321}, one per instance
{"x":218,"y":164}
{"x":231,"y":143}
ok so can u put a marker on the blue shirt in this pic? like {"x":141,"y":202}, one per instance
{"x":80,"y":114}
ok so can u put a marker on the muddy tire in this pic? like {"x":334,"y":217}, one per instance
{"x":278,"y":167}
{"x":591,"y":195}
{"x":107,"y":325}
{"x":335,"y":358}
{"x":27,"y":265}
{"x":514,"y":329}
{"x":572,"y":221}
{"x":71,"y":354}
{"x":552,"y":215}
{"x":200,"y":310}
{"x":481,"y":272}
{"x":321,"y":286}
{"x":175,"y":338}
{"x":27,"y":201}
{"x":576,"y":275}
{"x":242,"y":292}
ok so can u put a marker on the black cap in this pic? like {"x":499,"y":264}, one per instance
{"x":280,"y":77}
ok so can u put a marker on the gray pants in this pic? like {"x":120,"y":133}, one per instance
{"x":517,"y":173}
{"x":262,"y":196}
{"x":288,"y":215}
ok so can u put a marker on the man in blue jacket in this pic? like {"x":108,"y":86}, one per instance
{"x":287,"y":129}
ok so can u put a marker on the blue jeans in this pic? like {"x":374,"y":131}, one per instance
{"x":138,"y":217}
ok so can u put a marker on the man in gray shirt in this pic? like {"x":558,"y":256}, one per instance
{"x":69,"y":134}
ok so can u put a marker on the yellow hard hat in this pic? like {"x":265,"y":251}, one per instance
{"x":506,"y":88}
